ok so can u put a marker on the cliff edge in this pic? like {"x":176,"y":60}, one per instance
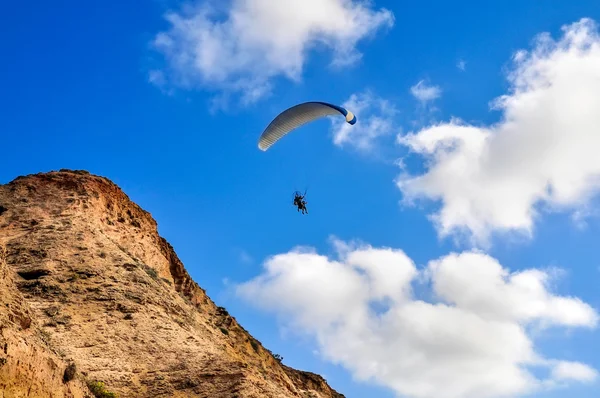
{"x":93,"y":300}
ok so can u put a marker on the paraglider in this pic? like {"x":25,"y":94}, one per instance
{"x":291,"y":119}
{"x":298,"y":115}
{"x":300,"y":203}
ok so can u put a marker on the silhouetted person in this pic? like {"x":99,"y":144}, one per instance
{"x":300,"y":203}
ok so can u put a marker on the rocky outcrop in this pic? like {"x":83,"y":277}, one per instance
{"x":29,"y":365}
{"x":96,"y":295}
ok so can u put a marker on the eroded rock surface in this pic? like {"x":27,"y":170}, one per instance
{"x":87,"y":280}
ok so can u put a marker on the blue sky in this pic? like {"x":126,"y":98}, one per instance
{"x":171,"y":112}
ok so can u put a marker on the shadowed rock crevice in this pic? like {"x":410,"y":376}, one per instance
{"x":33,"y":273}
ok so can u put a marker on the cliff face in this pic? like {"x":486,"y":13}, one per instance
{"x":86,"y":280}
{"x":29,"y":367}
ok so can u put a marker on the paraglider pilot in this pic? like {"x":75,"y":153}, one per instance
{"x":300,"y":203}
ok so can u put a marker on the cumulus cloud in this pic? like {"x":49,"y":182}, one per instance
{"x":240,"y":45}
{"x":542,"y":153}
{"x":470,"y":340}
{"x":424,"y":92}
{"x":375,"y":119}
{"x":462,"y":65}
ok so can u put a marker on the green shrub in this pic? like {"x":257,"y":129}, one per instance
{"x":97,"y":388}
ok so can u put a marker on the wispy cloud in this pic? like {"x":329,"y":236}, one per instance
{"x":462,"y":65}
{"x":424,"y":92}
{"x":245,"y":257}
{"x":375,"y":119}
{"x":240,"y":47}
{"x":472,"y":341}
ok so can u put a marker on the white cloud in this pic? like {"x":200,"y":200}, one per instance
{"x":472,"y":341}
{"x":462,"y":65}
{"x":424,"y":92}
{"x":574,"y":371}
{"x":240,"y":45}
{"x":375,"y":119}
{"x":542,"y":152}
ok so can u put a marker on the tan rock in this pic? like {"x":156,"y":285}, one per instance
{"x":86,"y":279}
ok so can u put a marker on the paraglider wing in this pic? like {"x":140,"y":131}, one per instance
{"x":298,"y":115}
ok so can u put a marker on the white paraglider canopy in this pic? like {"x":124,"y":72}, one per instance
{"x":298,"y":115}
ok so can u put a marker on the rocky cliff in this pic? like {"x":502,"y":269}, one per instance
{"x":93,"y":299}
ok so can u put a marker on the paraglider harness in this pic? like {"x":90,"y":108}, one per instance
{"x":299,"y":202}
